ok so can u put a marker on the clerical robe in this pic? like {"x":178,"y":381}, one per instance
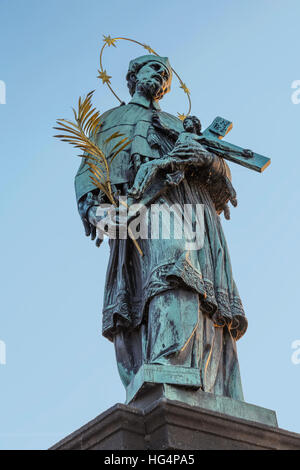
{"x":173,"y":305}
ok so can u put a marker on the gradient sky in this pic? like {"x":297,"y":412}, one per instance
{"x":239,"y":59}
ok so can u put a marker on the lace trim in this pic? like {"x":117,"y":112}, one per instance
{"x":223,"y":309}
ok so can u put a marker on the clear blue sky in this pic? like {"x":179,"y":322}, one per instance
{"x":239,"y":58}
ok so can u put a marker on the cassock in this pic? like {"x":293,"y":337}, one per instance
{"x":172,"y":306}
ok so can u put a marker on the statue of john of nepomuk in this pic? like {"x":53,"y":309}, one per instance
{"x":175,"y":308}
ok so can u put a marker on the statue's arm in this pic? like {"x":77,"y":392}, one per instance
{"x":220,"y":187}
{"x":219,"y":177}
{"x":180,"y":158}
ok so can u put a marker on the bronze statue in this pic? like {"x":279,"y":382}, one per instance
{"x":171,"y":307}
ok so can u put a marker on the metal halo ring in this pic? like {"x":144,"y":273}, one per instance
{"x":108,"y":41}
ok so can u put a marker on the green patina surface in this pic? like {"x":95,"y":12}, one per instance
{"x":174,"y":314}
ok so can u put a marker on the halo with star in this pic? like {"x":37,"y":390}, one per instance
{"x":103,"y":75}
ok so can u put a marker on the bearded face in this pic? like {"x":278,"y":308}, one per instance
{"x":152,"y":80}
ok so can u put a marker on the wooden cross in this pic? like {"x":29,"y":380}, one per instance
{"x":212,"y":141}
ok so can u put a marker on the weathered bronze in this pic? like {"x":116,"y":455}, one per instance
{"x":173,"y":308}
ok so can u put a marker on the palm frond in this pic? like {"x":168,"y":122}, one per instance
{"x":127,"y":142}
{"x":82,"y":134}
{"x":113,"y":136}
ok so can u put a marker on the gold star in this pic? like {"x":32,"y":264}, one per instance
{"x":185,"y":88}
{"x":181,"y":116}
{"x":104,"y":77}
{"x":109,"y":41}
{"x":149,"y":49}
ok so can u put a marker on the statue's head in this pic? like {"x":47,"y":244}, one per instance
{"x":151,"y":75}
{"x":192,"y":124}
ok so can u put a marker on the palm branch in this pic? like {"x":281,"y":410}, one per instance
{"x":82,"y":134}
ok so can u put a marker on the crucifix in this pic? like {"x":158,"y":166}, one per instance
{"x":212,"y":136}
{"x":152,"y":181}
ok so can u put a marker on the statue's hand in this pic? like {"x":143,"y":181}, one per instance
{"x":231,"y":196}
{"x":144,"y":177}
{"x":108,"y":220}
{"x":83,"y":207}
{"x":231,"y":191}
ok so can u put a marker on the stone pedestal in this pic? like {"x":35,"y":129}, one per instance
{"x":154,"y":420}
